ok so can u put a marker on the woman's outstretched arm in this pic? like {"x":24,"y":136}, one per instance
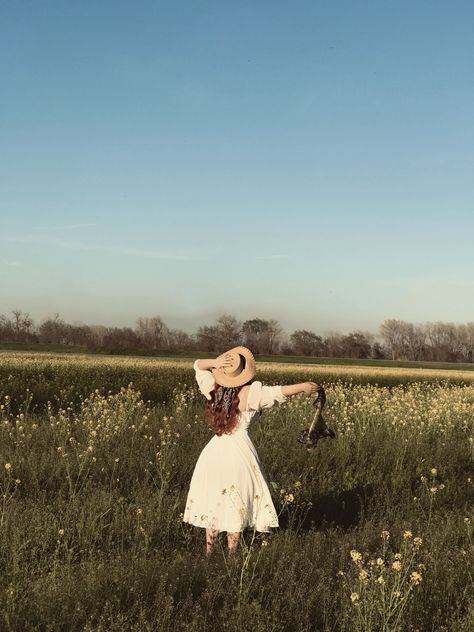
{"x":309,"y":388}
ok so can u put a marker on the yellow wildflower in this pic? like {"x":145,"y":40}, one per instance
{"x":356,"y":556}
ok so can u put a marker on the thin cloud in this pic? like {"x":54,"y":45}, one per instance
{"x":12,"y":264}
{"x":44,"y":229}
{"x":72,"y":226}
{"x":125,"y":252}
{"x":274,"y":256}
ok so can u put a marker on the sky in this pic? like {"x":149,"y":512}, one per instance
{"x":308,"y":161}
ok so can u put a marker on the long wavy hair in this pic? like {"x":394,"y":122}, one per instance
{"x":218,"y":418}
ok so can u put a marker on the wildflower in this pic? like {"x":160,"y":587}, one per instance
{"x":380,"y":580}
{"x":385,"y":535}
{"x":354,"y":597}
{"x":433,"y":490}
{"x":356,"y":556}
{"x":363,"y":575}
{"x":139,"y":511}
{"x":8,"y":466}
{"x":407,"y":535}
{"x":467,"y":520}
{"x":264,"y":542}
{"x":379,"y":561}
{"x":61,"y":532}
{"x":434,"y":471}
{"x":423,"y":479}
{"x":397,"y":556}
{"x":117,"y":460}
{"x":418,"y":541}
{"x":289,"y":498}
{"x":340,"y":573}
{"x":17,"y":481}
{"x":397,"y":593}
{"x":397,"y":566}
{"x":415,"y":578}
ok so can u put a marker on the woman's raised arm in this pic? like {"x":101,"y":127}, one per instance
{"x":309,"y":388}
{"x":215,"y":363}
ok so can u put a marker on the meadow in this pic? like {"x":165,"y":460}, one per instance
{"x":96,"y":454}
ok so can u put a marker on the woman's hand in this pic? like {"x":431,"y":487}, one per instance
{"x":309,"y":388}
{"x":224,"y":362}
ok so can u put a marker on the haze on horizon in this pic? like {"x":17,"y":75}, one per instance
{"x":309,"y":162}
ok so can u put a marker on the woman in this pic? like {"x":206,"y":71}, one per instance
{"x":228,"y":489}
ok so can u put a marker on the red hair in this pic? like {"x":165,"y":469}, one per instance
{"x":222,"y":422}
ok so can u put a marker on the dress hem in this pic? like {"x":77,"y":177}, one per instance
{"x":231,"y":530}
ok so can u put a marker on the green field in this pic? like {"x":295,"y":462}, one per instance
{"x":376,"y":526}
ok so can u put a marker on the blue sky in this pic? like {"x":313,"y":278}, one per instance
{"x":306,"y":161}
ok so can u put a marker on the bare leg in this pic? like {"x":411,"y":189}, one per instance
{"x":233,"y":541}
{"x":211,"y":539}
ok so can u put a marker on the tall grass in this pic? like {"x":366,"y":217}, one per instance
{"x":375,"y":526}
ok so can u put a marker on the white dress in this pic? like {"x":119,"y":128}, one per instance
{"x":228,"y":489}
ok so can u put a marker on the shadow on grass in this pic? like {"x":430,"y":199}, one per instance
{"x":345,"y":509}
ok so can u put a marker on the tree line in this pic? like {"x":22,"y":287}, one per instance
{"x":395,"y":340}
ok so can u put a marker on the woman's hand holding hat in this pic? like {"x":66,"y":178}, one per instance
{"x":223,"y":361}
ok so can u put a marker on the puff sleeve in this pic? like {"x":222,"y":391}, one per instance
{"x":205,"y":380}
{"x":264,"y":396}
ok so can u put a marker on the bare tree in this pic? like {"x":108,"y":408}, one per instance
{"x":396,"y":335}
{"x":442,"y":341}
{"x":6,"y":329}
{"x":333,"y":342}
{"x":262,"y":336}
{"x":356,"y":345}
{"x":152,"y":333}
{"x":120,"y":338}
{"x":465,"y":342}
{"x":97,"y":335}
{"x":179,"y":340}
{"x":52,"y":331}
{"x":22,"y":325}
{"x":307,"y":343}
{"x":229,"y":331}
{"x":207,"y":338}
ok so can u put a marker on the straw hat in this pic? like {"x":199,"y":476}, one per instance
{"x":240,"y":372}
